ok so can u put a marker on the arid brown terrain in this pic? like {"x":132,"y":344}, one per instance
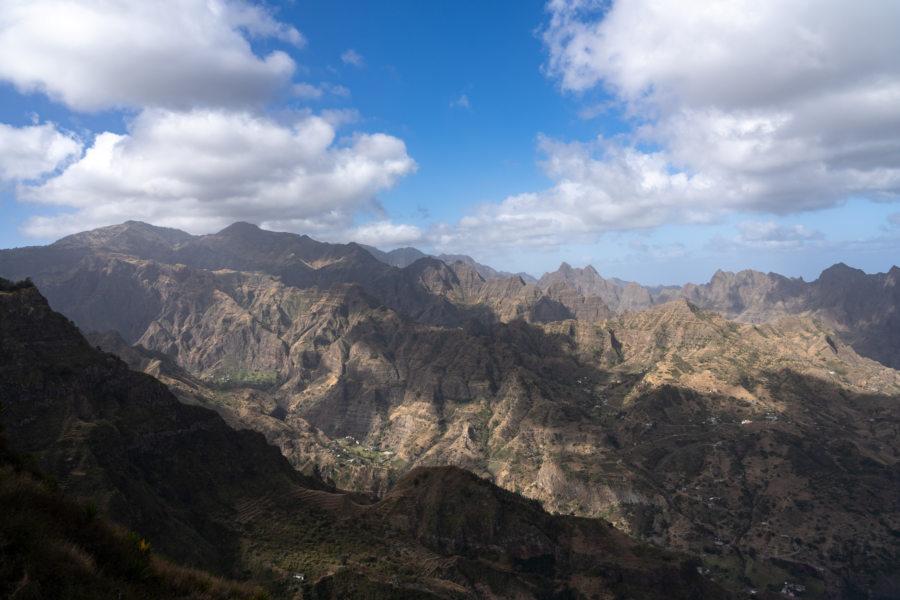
{"x":751,"y":422}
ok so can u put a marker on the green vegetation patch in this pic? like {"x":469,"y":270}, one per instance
{"x":244,"y":378}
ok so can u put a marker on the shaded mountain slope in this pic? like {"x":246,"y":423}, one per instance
{"x":54,"y":547}
{"x":122,"y":440}
{"x":450,"y":511}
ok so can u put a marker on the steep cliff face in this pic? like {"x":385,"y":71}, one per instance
{"x":748,"y":296}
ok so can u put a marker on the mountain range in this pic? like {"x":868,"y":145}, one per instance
{"x":750,"y":421}
{"x":211,"y":496}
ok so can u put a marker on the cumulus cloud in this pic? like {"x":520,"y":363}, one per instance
{"x":93,"y":55}
{"x":599,"y":186}
{"x":203,"y":169}
{"x":352,"y":57}
{"x":29,"y":152}
{"x":200,"y":150}
{"x":731,"y":54}
{"x":767,"y":107}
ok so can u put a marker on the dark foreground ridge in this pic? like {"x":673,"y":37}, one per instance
{"x":55,"y":547}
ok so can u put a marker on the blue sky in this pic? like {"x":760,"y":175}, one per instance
{"x":655,"y":141}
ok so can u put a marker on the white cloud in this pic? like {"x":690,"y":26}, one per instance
{"x":200,"y":153}
{"x":462,"y":102}
{"x":770,"y":234}
{"x":31,"y":151}
{"x":336,"y":117}
{"x":203,"y":169}
{"x":337,"y":90}
{"x":598,"y":187}
{"x":92,"y":55}
{"x":385,"y":234}
{"x":730,"y":53}
{"x":763,"y":107}
{"x":307,"y":91}
{"x":256,"y":21}
{"x":352,"y":57}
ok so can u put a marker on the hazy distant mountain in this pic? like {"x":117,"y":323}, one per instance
{"x":400,"y":257}
{"x":403,"y":257}
{"x":860,"y":307}
{"x":857,"y":305}
{"x":484,"y":270}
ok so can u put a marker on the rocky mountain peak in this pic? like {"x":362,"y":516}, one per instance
{"x":558,"y":286}
{"x":680,"y":309}
{"x":721,"y":276}
{"x":130,"y":237}
{"x":399,"y":257}
{"x":469,"y":278}
{"x":840,"y":274}
{"x":434,"y":274}
{"x":240,"y":228}
{"x":893,"y":277}
{"x":564,"y":267}
{"x":741,"y":278}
